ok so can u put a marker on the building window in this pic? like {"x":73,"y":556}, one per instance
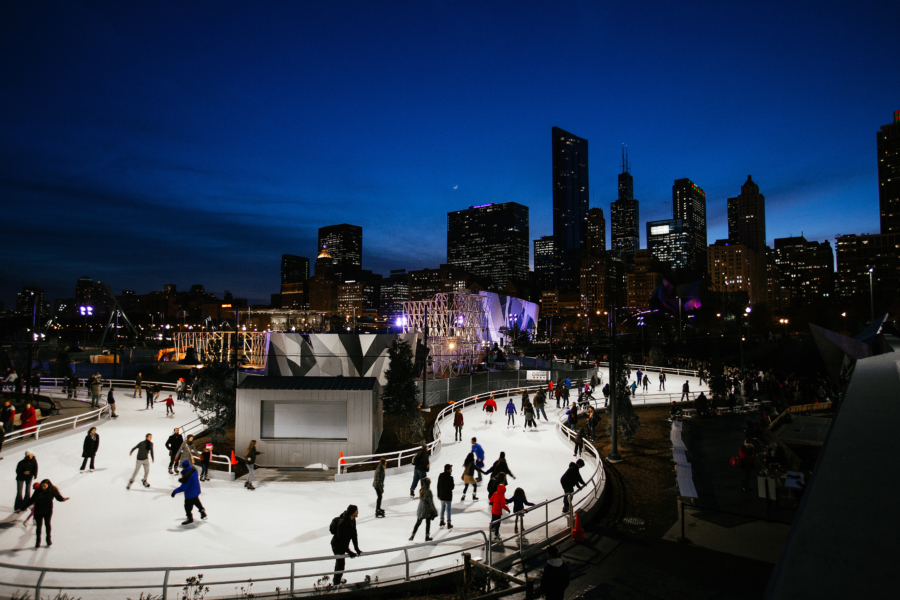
{"x":291,"y":420}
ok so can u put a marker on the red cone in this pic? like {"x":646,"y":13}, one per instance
{"x":578,"y":530}
{"x":342,"y":461}
{"x":233,"y":459}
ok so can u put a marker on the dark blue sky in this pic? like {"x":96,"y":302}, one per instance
{"x":196,"y":142}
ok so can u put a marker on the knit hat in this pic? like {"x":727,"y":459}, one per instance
{"x":28,"y":453}
{"x":209,"y":445}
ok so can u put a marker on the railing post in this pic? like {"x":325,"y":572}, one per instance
{"x":165,"y":585}
{"x":37,"y":587}
{"x":547,"y":521}
{"x":406,"y":559}
{"x":292,"y":578}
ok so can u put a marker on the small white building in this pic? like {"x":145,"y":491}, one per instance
{"x":301,"y":421}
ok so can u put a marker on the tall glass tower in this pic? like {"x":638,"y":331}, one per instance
{"x":571,"y":192}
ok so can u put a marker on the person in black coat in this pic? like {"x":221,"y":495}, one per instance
{"x":570,"y":479}
{"x":89,"y":450}
{"x":173,"y":444}
{"x":344,"y":532}
{"x":445,"y":485}
{"x":500,"y":465}
{"x":555,"y":578}
{"x":26,"y":471}
{"x":43,"y":508}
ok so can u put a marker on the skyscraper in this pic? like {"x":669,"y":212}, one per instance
{"x":490,"y":241}
{"x":889,"y":175}
{"x":747,"y":226}
{"x":344,"y":244}
{"x":669,"y":241}
{"x":571,"y":191}
{"x":806,"y":269}
{"x":294,"y":269}
{"x":625,"y":216}
{"x":545,"y":261}
{"x":595,"y":242}
{"x":689,"y":205}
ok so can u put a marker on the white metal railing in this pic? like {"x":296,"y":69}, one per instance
{"x":62,"y":383}
{"x":655,"y":369}
{"x":67,"y":423}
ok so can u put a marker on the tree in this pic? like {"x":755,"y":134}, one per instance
{"x":627,"y":419}
{"x":215,"y":402}
{"x":400,"y":397}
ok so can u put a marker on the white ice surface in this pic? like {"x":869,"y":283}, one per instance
{"x":106,"y":526}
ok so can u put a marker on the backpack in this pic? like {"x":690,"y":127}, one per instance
{"x":335,"y":524}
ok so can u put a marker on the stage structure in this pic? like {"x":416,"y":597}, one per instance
{"x":457,"y":329}
{"x":252,"y":349}
{"x":283,"y":320}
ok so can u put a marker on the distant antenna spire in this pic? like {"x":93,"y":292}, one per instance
{"x":623,"y":158}
{"x":627,"y":167}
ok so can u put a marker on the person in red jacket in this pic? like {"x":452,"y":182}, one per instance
{"x":489,"y":407}
{"x":457,"y":424}
{"x":747,"y":456}
{"x":29,"y":419}
{"x":498,"y":505}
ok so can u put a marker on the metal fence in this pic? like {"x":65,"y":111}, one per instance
{"x":440,"y":391}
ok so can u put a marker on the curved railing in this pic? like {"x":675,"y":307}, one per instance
{"x":67,"y":423}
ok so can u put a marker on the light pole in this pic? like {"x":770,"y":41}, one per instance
{"x":784,"y":323}
{"x":741,"y":336}
{"x":86,"y":311}
{"x":871,"y":296}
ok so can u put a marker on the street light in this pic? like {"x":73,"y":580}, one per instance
{"x":784,"y":323}
{"x":871,"y":296}
{"x":741,"y":336}
{"x":86,"y":311}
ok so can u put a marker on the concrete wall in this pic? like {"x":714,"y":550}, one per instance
{"x":364,"y":427}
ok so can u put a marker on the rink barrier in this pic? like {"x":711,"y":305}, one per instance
{"x":291,"y":577}
{"x":655,"y":369}
{"x":583,"y":499}
{"x":67,"y":423}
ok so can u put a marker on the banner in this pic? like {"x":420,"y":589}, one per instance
{"x":536,"y":375}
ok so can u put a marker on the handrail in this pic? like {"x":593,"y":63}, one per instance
{"x":60,"y":423}
{"x":655,"y":369}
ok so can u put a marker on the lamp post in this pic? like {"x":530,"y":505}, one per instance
{"x":741,"y":336}
{"x":871,"y":296}
{"x":86,"y":311}
{"x":613,"y":455}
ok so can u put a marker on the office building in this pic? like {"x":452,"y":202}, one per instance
{"x":735,"y":268}
{"x":595,"y":241}
{"x":394,"y":292}
{"x":805,"y":269}
{"x":689,"y":205}
{"x":641,"y":284}
{"x":294,"y":269}
{"x":490,"y":241}
{"x":603,"y":284}
{"x":625,"y":217}
{"x":294,"y":293}
{"x":344,"y":245}
{"x":425,"y":283}
{"x":545,"y":261}
{"x":359,"y":298}
{"x":747,"y":223}
{"x":856,"y":255}
{"x":30,"y":302}
{"x":888,"y":144}
{"x":323,"y":286}
{"x":669,"y":241}
{"x":571,"y":193}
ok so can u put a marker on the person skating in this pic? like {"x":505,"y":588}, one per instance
{"x":555,"y":578}
{"x":8,"y":416}
{"x":43,"y":508}
{"x":29,"y":419}
{"x":498,"y":477}
{"x":378,"y":484}
{"x":205,"y":459}
{"x":686,"y":391}
{"x":458,"y":422}
{"x":570,"y":480}
{"x":468,"y":477}
{"x":593,"y":423}
{"x":498,"y":505}
{"x":137,"y":386}
{"x":26,"y":471}
{"x":646,"y":383}
{"x":96,"y":391}
{"x":605,"y":395}
{"x":250,"y":458}
{"x":510,"y":413}
{"x":343,"y":531}
{"x":528,"y":411}
{"x":565,"y":395}
{"x":425,"y":511}
{"x":519,"y":502}
{"x":489,"y":407}
{"x":89,"y":448}
{"x":111,"y":402}
{"x":170,"y":406}
{"x":579,"y":443}
{"x":540,"y":400}
{"x":150,"y":394}
{"x":186,"y":451}
{"x":500,"y":465}
{"x":445,"y":487}
{"x":190,"y":485}
{"x":421,"y":465}
{"x":173,"y":445}
{"x":662,"y":382}
{"x":145,"y":450}
{"x":479,"y":457}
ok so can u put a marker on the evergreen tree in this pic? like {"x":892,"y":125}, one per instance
{"x":628,"y":421}
{"x":215,"y":402}
{"x":400,"y":394}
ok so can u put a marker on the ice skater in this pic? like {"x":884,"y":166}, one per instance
{"x":489,"y":407}
{"x":425,"y":511}
{"x":343,"y":531}
{"x":510,"y":413}
{"x":519,"y":502}
{"x":445,"y":487}
{"x":205,"y":459}
{"x":137,"y":386}
{"x":528,"y":411}
{"x":145,"y":450}
{"x":421,"y":465}
{"x":686,"y":391}
{"x":89,"y":448}
{"x":170,"y":406}
{"x":500,"y":465}
{"x":570,"y":479}
{"x":457,"y":424}
{"x":479,"y":456}
{"x":26,"y":471}
{"x":111,"y":402}
{"x":190,"y":485}
{"x":43,"y":508}
{"x":540,"y":400}
{"x":498,"y":505}
{"x":173,"y":445}
{"x":468,"y":477}
{"x":378,"y":484}
{"x":662,"y":382}
{"x":186,"y":451}
{"x":250,"y":459}
{"x":579,"y":443}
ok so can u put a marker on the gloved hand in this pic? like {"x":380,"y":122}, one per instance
{"x":173,"y":494}
{"x":358,"y":552}
{"x":351,"y":554}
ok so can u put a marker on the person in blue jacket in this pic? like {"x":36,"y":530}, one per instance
{"x":511,"y":413}
{"x":190,"y":485}
{"x":479,"y":457}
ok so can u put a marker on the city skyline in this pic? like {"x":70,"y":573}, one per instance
{"x":114,"y":162}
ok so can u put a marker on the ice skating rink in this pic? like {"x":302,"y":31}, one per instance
{"x":104,"y":525}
